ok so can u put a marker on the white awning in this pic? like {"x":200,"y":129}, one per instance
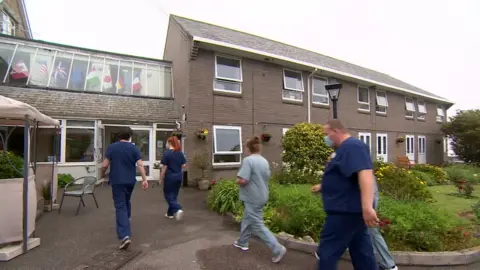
{"x":17,"y":110}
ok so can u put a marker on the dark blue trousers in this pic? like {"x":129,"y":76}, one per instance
{"x":342,"y":231}
{"x":123,"y":209}
{"x":171,"y":187}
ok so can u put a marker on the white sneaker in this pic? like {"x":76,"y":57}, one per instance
{"x":179,"y":214}
{"x":167,"y":216}
{"x":237,"y":245}
{"x":279,"y":257}
{"x":125,"y":243}
{"x":394,"y":268}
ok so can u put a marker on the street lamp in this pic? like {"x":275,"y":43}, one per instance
{"x":334,"y":92}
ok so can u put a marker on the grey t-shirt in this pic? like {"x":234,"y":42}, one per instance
{"x":256,"y":170}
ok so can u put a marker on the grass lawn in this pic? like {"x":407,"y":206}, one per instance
{"x":453,"y":203}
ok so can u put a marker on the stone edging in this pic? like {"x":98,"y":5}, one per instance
{"x":448,"y":258}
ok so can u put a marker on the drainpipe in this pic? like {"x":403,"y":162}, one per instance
{"x":309,"y":89}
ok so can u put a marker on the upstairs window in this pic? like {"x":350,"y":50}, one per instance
{"x":409,"y":108}
{"x":422,"y":110}
{"x":381,"y":102}
{"x":363,"y":98}
{"x":319,"y":93}
{"x":7,"y":24}
{"x":440,"y":114}
{"x":228,"y":74}
{"x":292,"y":85}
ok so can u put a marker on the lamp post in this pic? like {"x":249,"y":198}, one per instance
{"x":334,"y":92}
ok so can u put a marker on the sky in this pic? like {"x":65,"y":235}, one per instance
{"x":432,"y":44}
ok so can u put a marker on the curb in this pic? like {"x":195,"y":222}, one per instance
{"x":446,"y":258}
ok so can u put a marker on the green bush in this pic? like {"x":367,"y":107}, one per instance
{"x":223,"y":197}
{"x":11,"y":165}
{"x":476,"y":210}
{"x":305,"y":148}
{"x":439,"y":175}
{"x":463,"y":172}
{"x":425,"y":177}
{"x":285,"y":177}
{"x":63,"y":179}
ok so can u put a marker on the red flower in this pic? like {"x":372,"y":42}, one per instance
{"x":213,"y":182}
{"x":465,"y":234}
{"x":387,"y":222}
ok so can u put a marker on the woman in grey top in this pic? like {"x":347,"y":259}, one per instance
{"x":253,"y":179}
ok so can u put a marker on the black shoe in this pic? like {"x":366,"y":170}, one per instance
{"x":125,"y":243}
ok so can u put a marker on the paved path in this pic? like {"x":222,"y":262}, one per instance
{"x":203,"y":240}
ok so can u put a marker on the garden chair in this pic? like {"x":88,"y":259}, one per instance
{"x":85,"y":188}
{"x":405,"y":162}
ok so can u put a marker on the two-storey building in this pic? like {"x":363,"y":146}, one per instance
{"x":238,"y":85}
{"x":14,"y":19}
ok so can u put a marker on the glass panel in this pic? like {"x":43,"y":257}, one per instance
{"x":364,"y":106}
{"x":408,"y":145}
{"x":79,"y":145}
{"x":293,"y":80}
{"x":6,"y":53}
{"x":124,"y":80}
{"x":380,"y":109}
{"x":139,"y":79}
{"x":226,"y":85}
{"x":226,"y":158}
{"x":381,"y":99}
{"x":368,"y":141}
{"x":41,"y":65}
{"x":21,"y":65}
{"x":409,"y":105}
{"x":162,"y":137}
{"x":46,"y":139}
{"x":141,"y":139}
{"x":320,"y":99}
{"x":78,"y":72}
{"x":61,"y":70}
{"x":379,"y":145}
{"x":153,"y":80}
{"x":295,"y":95}
{"x":94,"y":75}
{"x":385,"y":145}
{"x":110,"y":73}
{"x":228,"y":68}
{"x":319,"y":86}
{"x":227,"y":140}
{"x":75,"y":123}
{"x":363,"y":95}
{"x":165,"y":82}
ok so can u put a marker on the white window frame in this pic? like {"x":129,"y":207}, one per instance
{"x":440,"y":117}
{"x":285,"y":88}
{"x":381,"y":106}
{"x":421,"y":115}
{"x":377,"y":156}
{"x":215,"y":152}
{"x":231,"y":80}
{"x":63,"y":134}
{"x":366,"y":135}
{"x":409,"y":113}
{"x":319,"y":95}
{"x":362,"y":102}
{"x":8,"y":24}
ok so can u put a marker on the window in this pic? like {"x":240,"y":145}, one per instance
{"x":409,"y":108}
{"x":364,"y":98}
{"x":40,"y":67}
{"x":292,"y":85}
{"x":228,"y":74}
{"x":320,"y":94}
{"x":440,"y":114}
{"x":46,"y":140}
{"x":8,"y":24}
{"x":79,"y":144}
{"x":382,"y":147}
{"x":366,"y":138}
{"x":227,"y":145}
{"x":422,"y":110}
{"x":381,"y":102}
{"x":139,"y":84}
{"x":6,"y":53}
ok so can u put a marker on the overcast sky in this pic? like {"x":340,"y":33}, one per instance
{"x":432,"y":44}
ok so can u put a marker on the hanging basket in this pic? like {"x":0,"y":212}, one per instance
{"x":265,"y":137}
{"x":400,"y":140}
{"x":202,"y":133}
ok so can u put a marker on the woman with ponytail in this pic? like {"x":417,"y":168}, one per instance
{"x":173,"y":163}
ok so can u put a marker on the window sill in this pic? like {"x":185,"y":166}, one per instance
{"x":291,"y":101}
{"x":321,"y":105}
{"x":227,"y":93}
{"x":381,"y":114}
{"x":364,"y":111}
{"x":222,"y":167}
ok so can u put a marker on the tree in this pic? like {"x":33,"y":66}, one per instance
{"x":305,"y":148}
{"x":464,"y":130}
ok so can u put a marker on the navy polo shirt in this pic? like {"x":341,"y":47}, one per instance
{"x":340,"y":187}
{"x":174,"y":161}
{"x":123,"y":158}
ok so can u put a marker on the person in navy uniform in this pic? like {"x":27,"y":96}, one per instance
{"x":348,"y":195}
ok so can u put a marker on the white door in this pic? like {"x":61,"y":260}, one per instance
{"x":410,"y":147}
{"x":366,"y":138}
{"x":99,"y":136}
{"x":422,"y":150}
{"x":143,"y":139}
{"x":382,"y":147}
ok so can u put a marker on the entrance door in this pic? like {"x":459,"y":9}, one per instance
{"x":410,"y":147}
{"x":382,"y":147}
{"x":367,"y":139}
{"x":143,"y":139}
{"x":422,"y":150}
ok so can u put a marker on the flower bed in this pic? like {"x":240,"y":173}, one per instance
{"x":413,"y":225}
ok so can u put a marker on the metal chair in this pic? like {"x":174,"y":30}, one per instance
{"x":85,"y":188}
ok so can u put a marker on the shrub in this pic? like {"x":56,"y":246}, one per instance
{"x":464,"y":172}
{"x":11,"y":165}
{"x":464,"y":130}
{"x":401,"y":184}
{"x":421,"y":226}
{"x":305,"y":148}
{"x":439,"y":175}
{"x":377,"y":164}
{"x":223,"y":197}
{"x":476,"y":210}
{"x":425,"y":177}
{"x":63,"y":179}
{"x":285,"y":177}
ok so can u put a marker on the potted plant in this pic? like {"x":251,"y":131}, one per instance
{"x":156,"y":169}
{"x":178,"y":133}
{"x":266,"y":137}
{"x":47,"y":197}
{"x":400,"y":139}
{"x":202,"y":133}
{"x":200,"y":160}
{"x":11,"y":193}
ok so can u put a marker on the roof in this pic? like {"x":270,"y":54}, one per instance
{"x":236,"y":39}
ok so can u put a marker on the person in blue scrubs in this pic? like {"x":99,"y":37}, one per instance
{"x":123,"y":158}
{"x":173,"y":163}
{"x":348,"y":196}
